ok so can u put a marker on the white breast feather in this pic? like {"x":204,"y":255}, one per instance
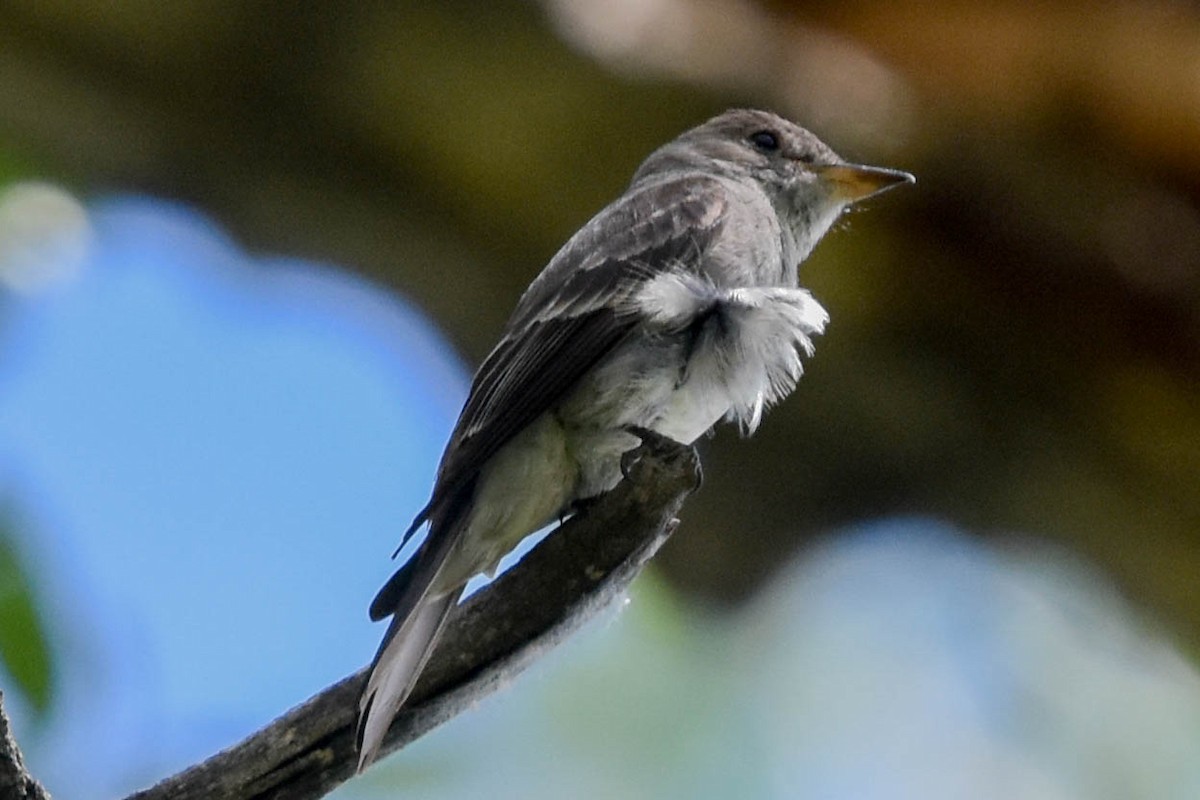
{"x":756,"y":359}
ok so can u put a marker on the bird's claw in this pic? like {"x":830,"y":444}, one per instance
{"x":628,"y":459}
{"x":653,"y":439}
{"x":579,"y":505}
{"x":654,"y":443}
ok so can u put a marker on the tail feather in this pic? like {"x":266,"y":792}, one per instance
{"x":400,"y":660}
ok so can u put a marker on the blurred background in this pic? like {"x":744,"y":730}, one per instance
{"x":251,"y":252}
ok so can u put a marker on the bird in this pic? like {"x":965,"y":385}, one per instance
{"x":675,"y":307}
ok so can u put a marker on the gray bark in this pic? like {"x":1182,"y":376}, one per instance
{"x":15,"y":782}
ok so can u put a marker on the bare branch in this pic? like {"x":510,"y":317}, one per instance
{"x":557,"y":587}
{"x":15,"y":782}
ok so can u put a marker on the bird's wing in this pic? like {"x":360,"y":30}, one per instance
{"x":569,"y":319}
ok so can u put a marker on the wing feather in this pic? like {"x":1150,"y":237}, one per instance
{"x":572,"y":316}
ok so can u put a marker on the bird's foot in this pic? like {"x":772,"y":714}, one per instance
{"x":578,"y":506}
{"x":655,"y":444}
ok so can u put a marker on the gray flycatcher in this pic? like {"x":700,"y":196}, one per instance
{"x":675,"y":307}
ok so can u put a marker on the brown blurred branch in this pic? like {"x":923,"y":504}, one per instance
{"x":558,"y":586}
{"x":15,"y":782}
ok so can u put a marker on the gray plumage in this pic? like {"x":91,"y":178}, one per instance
{"x":675,"y":307}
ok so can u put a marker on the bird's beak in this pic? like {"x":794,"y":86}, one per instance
{"x":853,"y":182}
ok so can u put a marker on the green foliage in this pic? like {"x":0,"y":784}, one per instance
{"x":24,"y":648}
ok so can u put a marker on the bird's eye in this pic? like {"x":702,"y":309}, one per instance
{"x":765,"y":141}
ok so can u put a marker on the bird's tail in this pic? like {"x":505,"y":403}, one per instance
{"x":401,"y":657}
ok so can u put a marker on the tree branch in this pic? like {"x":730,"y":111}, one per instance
{"x":557,"y":587}
{"x":15,"y":782}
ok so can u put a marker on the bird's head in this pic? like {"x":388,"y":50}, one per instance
{"x":808,"y":183}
